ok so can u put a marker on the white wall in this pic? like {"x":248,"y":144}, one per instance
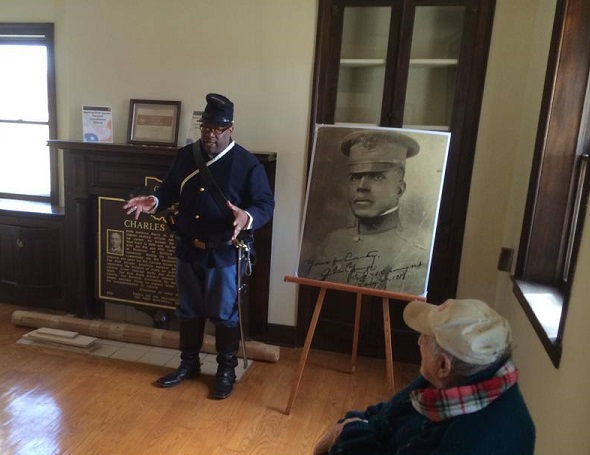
{"x":260,"y":53}
{"x":557,"y":398}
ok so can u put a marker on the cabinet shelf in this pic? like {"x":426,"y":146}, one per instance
{"x":415,"y":62}
{"x":428,"y":127}
{"x":433,"y":62}
{"x":361,"y":62}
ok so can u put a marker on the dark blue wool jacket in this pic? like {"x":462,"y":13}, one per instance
{"x":394,"y":427}
{"x":241,"y":178}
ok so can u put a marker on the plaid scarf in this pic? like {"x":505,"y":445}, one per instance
{"x":441,"y":404}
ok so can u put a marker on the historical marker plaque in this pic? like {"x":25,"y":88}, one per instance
{"x":136,"y":261}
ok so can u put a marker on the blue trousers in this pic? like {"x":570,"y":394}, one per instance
{"x":207,"y":293}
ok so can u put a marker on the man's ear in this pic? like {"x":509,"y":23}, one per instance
{"x":444,"y":366}
{"x":401,"y":188}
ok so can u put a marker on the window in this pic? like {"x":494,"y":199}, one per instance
{"x":559,"y":185}
{"x":27,"y":112}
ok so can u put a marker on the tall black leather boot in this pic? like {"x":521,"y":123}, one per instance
{"x":190,"y":343}
{"x":227,"y":342}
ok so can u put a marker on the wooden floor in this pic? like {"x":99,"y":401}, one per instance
{"x":57,"y":402}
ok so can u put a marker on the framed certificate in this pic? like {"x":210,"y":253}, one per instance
{"x":153,"y":122}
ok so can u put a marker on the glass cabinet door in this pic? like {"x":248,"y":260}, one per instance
{"x":435,"y":45}
{"x":361,"y":74}
{"x":434,"y":59}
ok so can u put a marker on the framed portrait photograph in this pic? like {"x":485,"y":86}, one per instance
{"x":115,"y":242}
{"x":153,"y":122}
{"x":371,"y":207}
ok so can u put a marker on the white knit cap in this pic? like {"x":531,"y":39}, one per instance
{"x":468,"y":329}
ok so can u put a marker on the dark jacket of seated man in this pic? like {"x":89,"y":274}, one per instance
{"x":465,"y":402}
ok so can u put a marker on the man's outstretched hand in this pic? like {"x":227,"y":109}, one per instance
{"x":139,"y":204}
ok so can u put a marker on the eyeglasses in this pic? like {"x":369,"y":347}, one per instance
{"x":217,"y":131}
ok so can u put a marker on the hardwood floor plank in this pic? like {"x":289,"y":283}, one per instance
{"x":57,"y":402}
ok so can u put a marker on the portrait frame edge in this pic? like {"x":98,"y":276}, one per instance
{"x":310,"y":242}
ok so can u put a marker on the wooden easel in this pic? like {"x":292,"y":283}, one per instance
{"x":324,"y":286}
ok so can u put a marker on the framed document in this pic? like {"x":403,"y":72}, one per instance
{"x":153,"y":122}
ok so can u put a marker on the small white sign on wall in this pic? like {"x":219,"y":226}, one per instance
{"x":97,"y":124}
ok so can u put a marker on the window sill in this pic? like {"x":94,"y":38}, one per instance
{"x":20,"y":207}
{"x":543,"y":305}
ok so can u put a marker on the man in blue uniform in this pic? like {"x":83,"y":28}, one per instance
{"x":206,"y":256}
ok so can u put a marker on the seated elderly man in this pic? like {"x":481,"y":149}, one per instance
{"x":466,"y":400}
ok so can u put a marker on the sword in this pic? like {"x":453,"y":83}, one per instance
{"x":243,"y":252}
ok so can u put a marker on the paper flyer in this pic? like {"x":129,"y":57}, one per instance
{"x":97,"y":123}
{"x":194,"y":131}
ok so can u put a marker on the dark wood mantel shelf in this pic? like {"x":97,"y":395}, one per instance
{"x":113,"y":148}
{"x":132,"y":149}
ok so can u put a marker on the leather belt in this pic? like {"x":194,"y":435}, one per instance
{"x":210,"y":245}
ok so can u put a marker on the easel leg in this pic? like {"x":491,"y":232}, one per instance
{"x":355,"y":338}
{"x":388,"y":352}
{"x":305,"y":352}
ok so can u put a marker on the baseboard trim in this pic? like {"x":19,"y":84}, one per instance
{"x":282,"y":335}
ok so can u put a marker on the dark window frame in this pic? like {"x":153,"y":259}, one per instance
{"x":559,"y":187}
{"x":40,"y":34}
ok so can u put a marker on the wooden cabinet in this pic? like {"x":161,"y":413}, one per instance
{"x":31,"y":262}
{"x":404,"y":63}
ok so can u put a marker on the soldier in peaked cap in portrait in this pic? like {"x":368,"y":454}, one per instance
{"x":377,"y":252}
{"x":206,"y":269}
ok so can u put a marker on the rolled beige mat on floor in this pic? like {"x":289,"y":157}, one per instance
{"x":130,"y":333}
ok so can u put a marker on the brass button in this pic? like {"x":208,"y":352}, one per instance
{"x":201,"y":189}
{"x":197,"y":217}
